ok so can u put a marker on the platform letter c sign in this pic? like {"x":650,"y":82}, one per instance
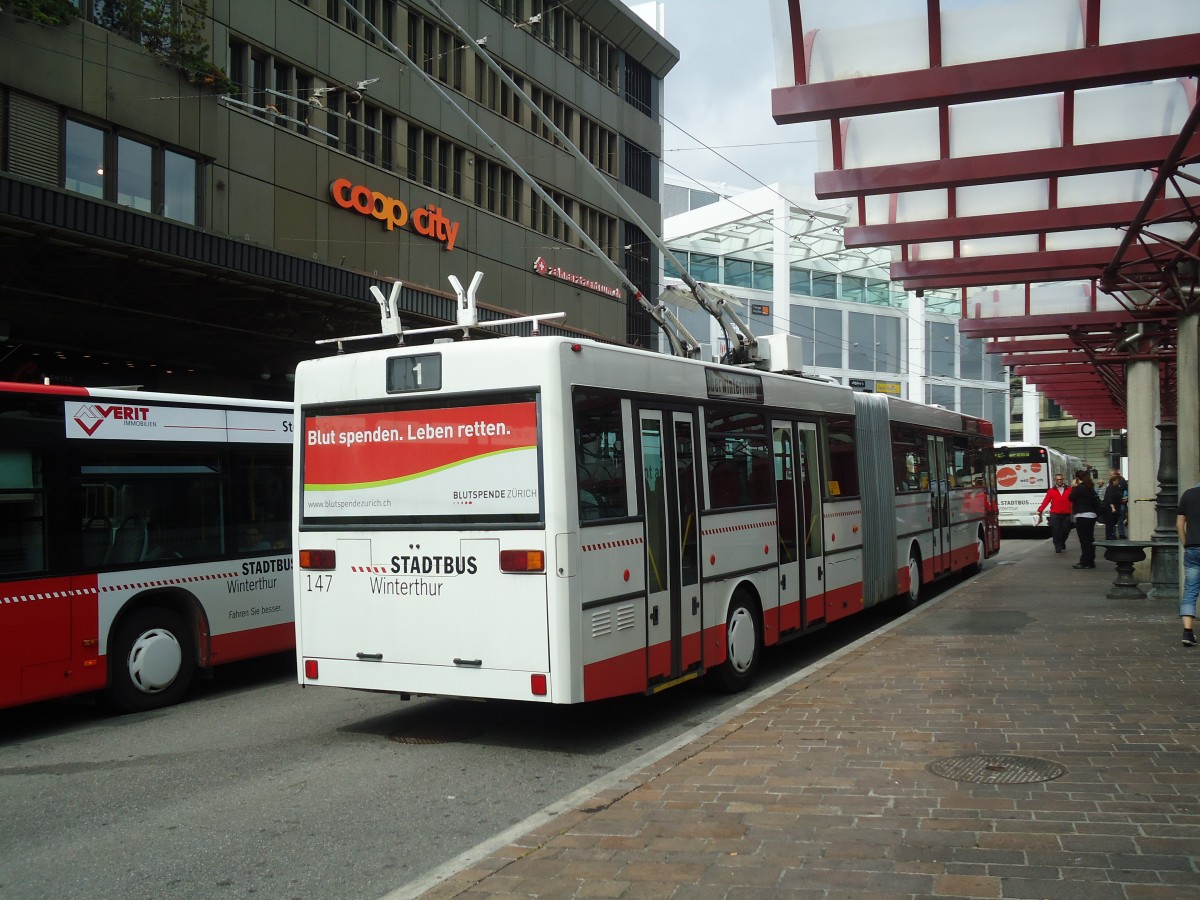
{"x":1086,"y":429}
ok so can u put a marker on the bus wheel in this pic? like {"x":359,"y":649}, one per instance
{"x":743,"y":646}
{"x":151,"y":661}
{"x":913,"y":597}
{"x":980,"y":549}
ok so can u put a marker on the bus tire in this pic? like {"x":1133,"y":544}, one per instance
{"x":981,"y":548}
{"x":912,"y":598}
{"x":151,"y":661}
{"x":743,"y":645}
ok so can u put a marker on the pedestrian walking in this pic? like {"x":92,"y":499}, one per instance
{"x":1085,"y":506}
{"x":1123,"y":513}
{"x":1187,"y":526}
{"x":1113,"y":505}
{"x":1058,"y":498}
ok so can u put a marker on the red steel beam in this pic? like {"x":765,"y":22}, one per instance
{"x":1040,"y":73}
{"x":1027,"y":276}
{"x":1021,"y":165}
{"x":1006,"y":263}
{"x":1044,"y":221}
{"x":1075,"y":376}
{"x":1034,"y":324}
{"x":1030,"y":346}
{"x":1042,"y":359}
{"x":1040,"y":375}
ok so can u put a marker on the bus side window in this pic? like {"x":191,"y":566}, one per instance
{"x":843,"y":464}
{"x":261,"y":501}
{"x":741,"y":470}
{"x":599,"y":457}
{"x":22,"y":513}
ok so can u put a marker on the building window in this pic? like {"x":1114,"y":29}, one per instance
{"x":85,"y":164}
{"x":878,"y":292}
{"x":704,"y":267}
{"x":825,"y":285}
{"x":179,"y":187}
{"x":738,"y":272}
{"x":940,"y":395}
{"x":764,"y":276}
{"x":827,"y":326}
{"x":939,"y":349}
{"x":971,"y":360}
{"x":638,"y":82}
{"x":639,"y":169}
{"x":803,"y":327}
{"x":888,"y":356}
{"x":134,"y":173}
{"x":862,"y":342}
{"x":854,"y":288}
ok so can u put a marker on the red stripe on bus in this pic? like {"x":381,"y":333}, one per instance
{"x":252,"y":642}
{"x":16,"y":387}
{"x":48,"y":630}
{"x":624,"y":674}
{"x":844,"y":601}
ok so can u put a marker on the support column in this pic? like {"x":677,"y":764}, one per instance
{"x":1142,"y":414}
{"x":1188,"y":399}
{"x":1031,"y":413}
{"x":1164,"y":562}
{"x":916,"y":347}
{"x":781,"y":268}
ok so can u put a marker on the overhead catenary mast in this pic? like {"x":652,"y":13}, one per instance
{"x":741,"y":342}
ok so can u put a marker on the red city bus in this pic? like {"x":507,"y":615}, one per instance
{"x":142,"y":537}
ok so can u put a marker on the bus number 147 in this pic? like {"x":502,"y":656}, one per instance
{"x":318,"y":582}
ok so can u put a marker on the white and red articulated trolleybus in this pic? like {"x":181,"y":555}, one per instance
{"x":143,"y":537}
{"x":560,"y":520}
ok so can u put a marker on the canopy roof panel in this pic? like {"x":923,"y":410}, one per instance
{"x":1039,"y":156}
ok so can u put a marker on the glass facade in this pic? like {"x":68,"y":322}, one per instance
{"x":853,"y":327}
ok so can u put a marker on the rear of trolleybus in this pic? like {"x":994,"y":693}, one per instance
{"x":421,"y":522}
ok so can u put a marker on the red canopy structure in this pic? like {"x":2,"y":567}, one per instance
{"x":1038,"y":156}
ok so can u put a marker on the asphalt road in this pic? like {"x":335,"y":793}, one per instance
{"x":256,"y":787}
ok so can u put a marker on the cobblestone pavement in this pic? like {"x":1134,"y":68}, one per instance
{"x":823,"y":789}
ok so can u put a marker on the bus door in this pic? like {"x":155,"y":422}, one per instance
{"x":939,"y":504}
{"x":802,"y":526}
{"x":801,"y":539}
{"x":673,"y":618}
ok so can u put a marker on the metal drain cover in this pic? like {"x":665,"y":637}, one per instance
{"x":437,"y":733}
{"x":992,"y":768}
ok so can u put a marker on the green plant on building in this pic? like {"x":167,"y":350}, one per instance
{"x":170,"y":30}
{"x":44,"y":12}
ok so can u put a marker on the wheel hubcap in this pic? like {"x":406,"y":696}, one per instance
{"x":914,"y":579}
{"x":742,"y":639}
{"x":154,"y":661}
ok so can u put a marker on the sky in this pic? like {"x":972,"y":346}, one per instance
{"x":719,"y":96}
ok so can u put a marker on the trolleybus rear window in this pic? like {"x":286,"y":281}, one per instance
{"x":379,"y":463}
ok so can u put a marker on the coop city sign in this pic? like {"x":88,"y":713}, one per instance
{"x":428,"y":221}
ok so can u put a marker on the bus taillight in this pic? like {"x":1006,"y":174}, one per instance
{"x":522,"y":561}
{"x":310,"y":669}
{"x":318,"y":559}
{"x":537,"y":685}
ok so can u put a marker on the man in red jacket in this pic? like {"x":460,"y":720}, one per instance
{"x":1058,"y":498}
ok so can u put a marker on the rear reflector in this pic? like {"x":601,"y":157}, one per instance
{"x":522,"y":561}
{"x":537,"y":685}
{"x":310,"y":669}
{"x":318,"y":559}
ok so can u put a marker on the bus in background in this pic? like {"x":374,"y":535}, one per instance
{"x":1024,"y":472}
{"x":558,"y":520}
{"x":142,"y":537}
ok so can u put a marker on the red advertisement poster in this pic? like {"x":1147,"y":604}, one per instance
{"x":450,"y":461}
